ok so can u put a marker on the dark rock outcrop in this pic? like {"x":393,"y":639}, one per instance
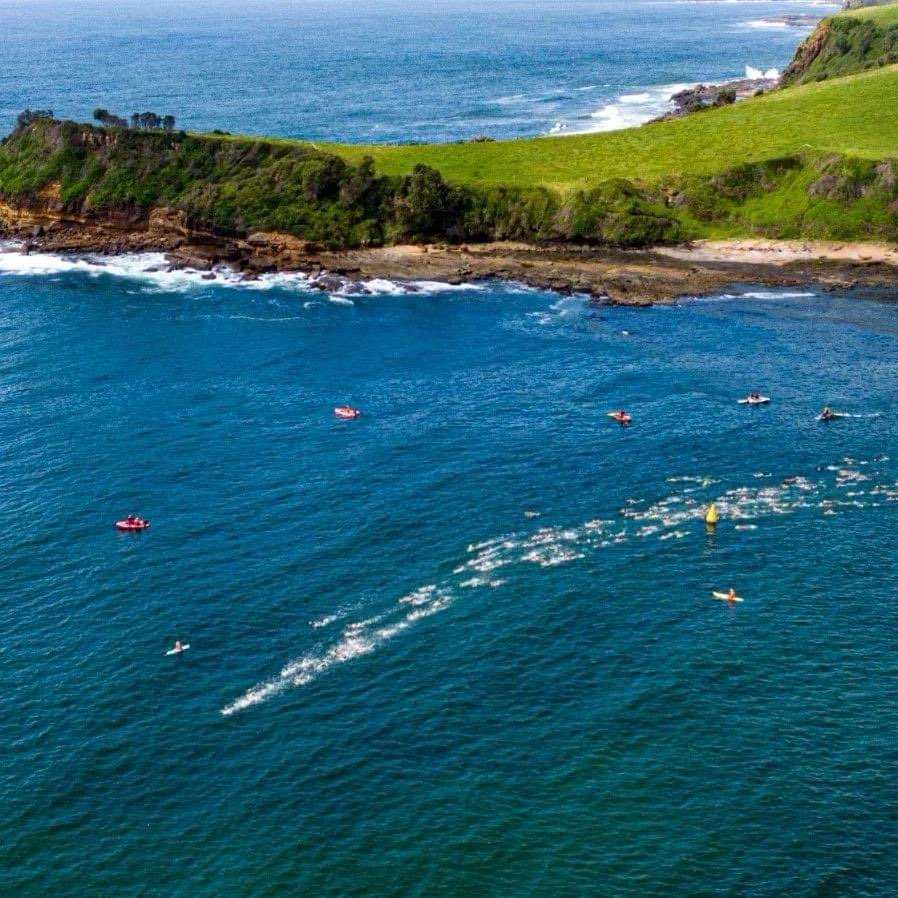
{"x":706,"y":96}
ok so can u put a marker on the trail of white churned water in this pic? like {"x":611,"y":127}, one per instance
{"x":850,"y":485}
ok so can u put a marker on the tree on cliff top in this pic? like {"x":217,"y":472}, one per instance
{"x":28,"y":116}
{"x":152,"y":121}
{"x":140,"y":121}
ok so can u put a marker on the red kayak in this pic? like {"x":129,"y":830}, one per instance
{"x":621,"y":417}
{"x":346,"y":412}
{"x":131,"y":525}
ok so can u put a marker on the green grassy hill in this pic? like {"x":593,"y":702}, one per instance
{"x":884,"y":16}
{"x":812,"y":160}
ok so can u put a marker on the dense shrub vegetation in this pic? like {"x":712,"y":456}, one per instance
{"x":235,"y":186}
{"x":238,"y":186}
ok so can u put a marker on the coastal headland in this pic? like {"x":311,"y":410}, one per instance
{"x":796,"y":185}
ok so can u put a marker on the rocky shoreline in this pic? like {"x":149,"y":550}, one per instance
{"x":707,"y":96}
{"x":623,"y":277}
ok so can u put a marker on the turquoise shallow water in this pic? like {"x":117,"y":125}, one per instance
{"x":400,"y":683}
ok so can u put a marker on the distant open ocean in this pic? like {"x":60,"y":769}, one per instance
{"x":464,"y":645}
{"x":387,"y":70}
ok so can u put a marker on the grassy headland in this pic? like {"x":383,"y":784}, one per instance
{"x":813,"y":160}
{"x":856,"y":116}
{"x":853,"y":41}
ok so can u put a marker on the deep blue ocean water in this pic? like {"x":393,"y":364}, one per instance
{"x":385,"y":70}
{"x":464,"y":644}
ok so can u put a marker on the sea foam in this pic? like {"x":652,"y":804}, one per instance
{"x":155,"y":272}
{"x":627,"y":111}
{"x":670,"y":519}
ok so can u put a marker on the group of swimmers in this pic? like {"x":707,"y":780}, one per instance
{"x":623,"y":418}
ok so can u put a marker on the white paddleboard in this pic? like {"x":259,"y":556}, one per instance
{"x":178,"y":651}
{"x":763,"y":400}
{"x":725,"y":597}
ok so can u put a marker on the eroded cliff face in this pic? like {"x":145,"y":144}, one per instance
{"x":45,"y":223}
{"x":46,"y":220}
{"x":808,"y":53}
{"x":843,"y":45}
{"x":44,"y":212}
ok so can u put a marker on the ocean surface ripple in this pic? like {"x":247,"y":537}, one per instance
{"x":336,"y":70}
{"x":465,"y":643}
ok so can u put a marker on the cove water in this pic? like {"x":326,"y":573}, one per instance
{"x":464,"y":644}
{"x":386,"y":70}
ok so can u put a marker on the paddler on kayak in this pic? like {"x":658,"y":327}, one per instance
{"x":827,"y":414}
{"x":621,"y":416}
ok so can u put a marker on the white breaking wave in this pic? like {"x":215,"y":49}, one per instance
{"x":775,"y":24}
{"x":644,"y":97}
{"x":757,"y":74}
{"x":765,"y":294}
{"x":634,"y":109}
{"x":627,"y":111}
{"x":154,"y":270}
{"x":765,"y":23}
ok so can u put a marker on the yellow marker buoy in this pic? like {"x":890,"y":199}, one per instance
{"x":712,"y":516}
